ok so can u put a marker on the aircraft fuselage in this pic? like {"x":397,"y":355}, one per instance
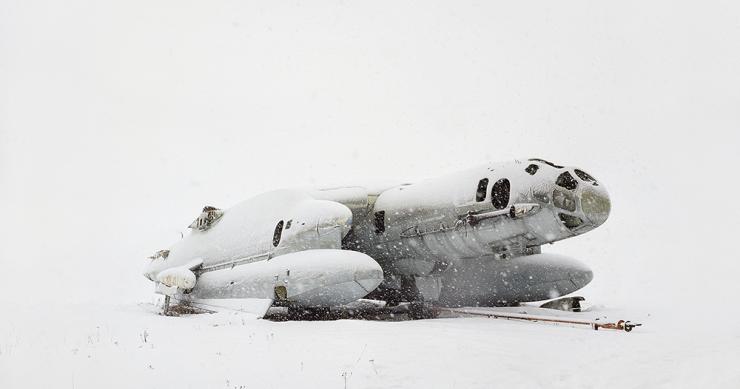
{"x":468,"y":238}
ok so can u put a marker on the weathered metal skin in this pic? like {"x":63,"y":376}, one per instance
{"x":438,"y":228}
{"x":426,"y":220}
{"x":283,"y":238}
{"x":536,"y":277}
{"x":309,"y":278}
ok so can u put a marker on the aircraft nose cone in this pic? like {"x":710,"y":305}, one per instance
{"x":596,"y":205}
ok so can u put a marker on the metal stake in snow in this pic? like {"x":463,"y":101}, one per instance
{"x":621,"y":325}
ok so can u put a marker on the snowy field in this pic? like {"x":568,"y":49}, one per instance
{"x":119,"y":122}
{"x":115,"y":346}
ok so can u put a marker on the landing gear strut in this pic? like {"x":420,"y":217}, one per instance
{"x":166,"y":307}
{"x":405,"y":290}
{"x":418,"y":308}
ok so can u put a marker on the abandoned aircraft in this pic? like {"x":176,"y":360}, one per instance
{"x":470,"y":238}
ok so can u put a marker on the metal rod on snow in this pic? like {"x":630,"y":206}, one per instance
{"x":621,"y":325}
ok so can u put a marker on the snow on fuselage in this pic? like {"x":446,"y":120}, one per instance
{"x":467,"y":229}
{"x":473,"y":229}
{"x":429,"y":219}
{"x":282,"y":238}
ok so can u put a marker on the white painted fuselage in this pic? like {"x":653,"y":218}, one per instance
{"x":468,"y":238}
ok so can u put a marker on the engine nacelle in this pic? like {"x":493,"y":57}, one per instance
{"x":311,"y":278}
{"x":180,"y":277}
{"x":175,"y":279}
{"x":488,"y":282}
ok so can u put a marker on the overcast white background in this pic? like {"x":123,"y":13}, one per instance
{"x":120,"y":120}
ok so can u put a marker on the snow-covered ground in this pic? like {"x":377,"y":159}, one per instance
{"x":119,"y":121}
{"x":120,"y":346}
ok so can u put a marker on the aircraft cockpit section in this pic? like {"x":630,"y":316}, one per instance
{"x":575,"y":197}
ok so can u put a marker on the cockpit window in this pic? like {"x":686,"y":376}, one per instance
{"x":541,"y":197}
{"x":566,"y":181}
{"x":532,"y":169}
{"x":480,"y":194}
{"x":500,"y":193}
{"x":546,"y":162}
{"x":585,"y":176}
{"x":564,"y":200}
{"x":570,"y":221}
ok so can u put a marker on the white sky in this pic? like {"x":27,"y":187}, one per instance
{"x":118,"y":122}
